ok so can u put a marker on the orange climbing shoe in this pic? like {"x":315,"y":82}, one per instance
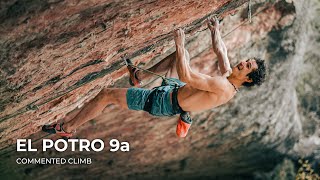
{"x":133,"y":80}
{"x":183,"y":125}
{"x":56,"y":129}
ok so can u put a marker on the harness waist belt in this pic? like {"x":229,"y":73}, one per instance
{"x":175,"y":104}
{"x":148,"y":104}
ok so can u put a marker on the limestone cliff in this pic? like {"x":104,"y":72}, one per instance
{"x":57,"y":55}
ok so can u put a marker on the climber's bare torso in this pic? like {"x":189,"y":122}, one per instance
{"x":193,"y":99}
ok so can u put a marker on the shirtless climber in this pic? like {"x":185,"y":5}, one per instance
{"x":185,"y":90}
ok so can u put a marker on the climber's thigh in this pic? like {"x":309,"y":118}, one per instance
{"x":120,"y":97}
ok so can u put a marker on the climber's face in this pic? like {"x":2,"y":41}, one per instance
{"x":241,"y":70}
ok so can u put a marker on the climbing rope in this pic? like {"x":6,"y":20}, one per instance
{"x":249,"y":11}
{"x":34,"y":106}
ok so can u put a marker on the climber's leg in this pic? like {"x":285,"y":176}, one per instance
{"x":95,"y":106}
{"x":159,"y":68}
{"x":90,"y":110}
{"x":166,"y":66}
{"x":72,"y":114}
{"x":57,"y":128}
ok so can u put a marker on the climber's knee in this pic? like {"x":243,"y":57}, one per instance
{"x":114,"y":96}
{"x":105,"y":95}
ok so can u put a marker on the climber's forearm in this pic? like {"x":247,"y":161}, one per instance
{"x":221,"y":51}
{"x":183,"y":68}
{"x":223,"y":62}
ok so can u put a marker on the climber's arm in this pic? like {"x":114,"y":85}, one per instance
{"x":187,"y":75}
{"x":219,"y":47}
{"x":183,"y":69}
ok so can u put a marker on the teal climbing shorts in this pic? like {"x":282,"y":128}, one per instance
{"x":138,"y":98}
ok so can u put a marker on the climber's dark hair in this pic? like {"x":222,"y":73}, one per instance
{"x":258,"y":76}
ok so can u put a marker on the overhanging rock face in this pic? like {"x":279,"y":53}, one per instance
{"x":51,"y":48}
{"x":57,"y":55}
